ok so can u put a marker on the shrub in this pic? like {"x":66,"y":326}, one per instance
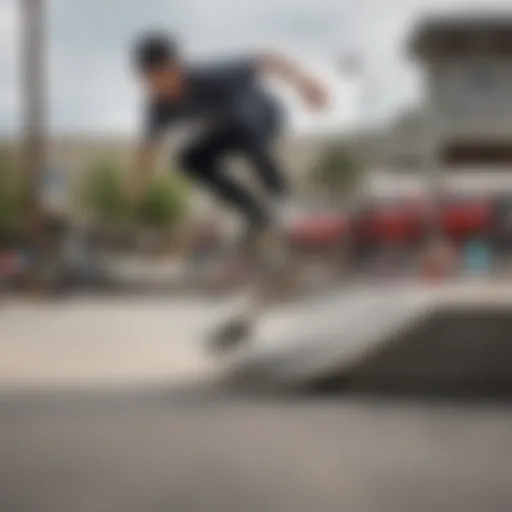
{"x":104,"y":193}
{"x":10,"y":200}
{"x":164,"y":204}
{"x":337,"y":171}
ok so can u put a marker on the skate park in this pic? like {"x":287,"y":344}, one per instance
{"x":413,"y":389}
{"x":380,"y":395}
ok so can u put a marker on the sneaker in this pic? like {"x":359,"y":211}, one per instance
{"x":232,"y":334}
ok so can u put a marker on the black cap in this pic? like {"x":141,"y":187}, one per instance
{"x":154,"y":50}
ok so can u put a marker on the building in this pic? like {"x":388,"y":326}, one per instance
{"x":468,"y":65}
{"x":460,"y":139}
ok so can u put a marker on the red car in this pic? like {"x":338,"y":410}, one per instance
{"x":398,"y":221}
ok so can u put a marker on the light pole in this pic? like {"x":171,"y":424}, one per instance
{"x":33,"y":80}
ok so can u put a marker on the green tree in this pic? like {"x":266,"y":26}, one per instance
{"x":337,"y":171}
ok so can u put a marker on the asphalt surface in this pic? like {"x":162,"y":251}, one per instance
{"x":210,"y":451}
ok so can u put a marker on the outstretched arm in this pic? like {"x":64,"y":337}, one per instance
{"x":309,"y":87}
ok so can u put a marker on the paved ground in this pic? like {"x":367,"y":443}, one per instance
{"x":114,"y":342}
{"x":157,"y":453}
{"x":103,"y":342}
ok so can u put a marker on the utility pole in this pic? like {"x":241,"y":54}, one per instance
{"x":34,"y":99}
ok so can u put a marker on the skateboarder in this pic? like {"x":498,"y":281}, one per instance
{"x":232,"y":115}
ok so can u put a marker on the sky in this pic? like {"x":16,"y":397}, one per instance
{"x":91,"y":87}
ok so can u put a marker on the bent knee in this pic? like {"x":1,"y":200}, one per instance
{"x":196,"y":161}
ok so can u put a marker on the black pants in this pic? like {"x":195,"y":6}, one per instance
{"x":204,"y":161}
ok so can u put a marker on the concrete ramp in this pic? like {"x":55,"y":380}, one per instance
{"x":440,"y":341}
{"x":329,"y":335}
{"x":455,"y":351}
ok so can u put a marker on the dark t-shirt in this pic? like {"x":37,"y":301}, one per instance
{"x":222,"y":95}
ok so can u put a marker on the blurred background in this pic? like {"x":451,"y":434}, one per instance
{"x":398,"y":335}
{"x":418,"y":115}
